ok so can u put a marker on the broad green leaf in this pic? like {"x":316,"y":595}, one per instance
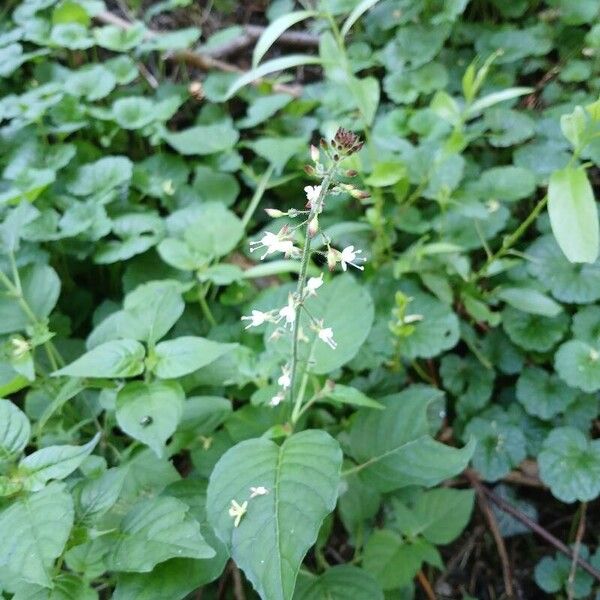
{"x":275,"y":29}
{"x":133,"y":112}
{"x":34,"y":530}
{"x":301,"y":477}
{"x":101,"y":177}
{"x":507,"y":183}
{"x":72,"y":36}
{"x":350,"y":320}
{"x":153,"y":531}
{"x":530,"y":300}
{"x":542,"y":394}
{"x":573,"y":214}
{"x":91,"y":83}
{"x":117,"y":358}
{"x":53,"y":462}
{"x":568,"y":282}
{"x":366,"y":94}
{"x":178,"y":357}
{"x":586,"y":325}
{"x":440,"y":515}
{"x":357,"y":12}
{"x":342,"y":582}
{"x":393,"y":448}
{"x":570,"y":465}
{"x":14,"y":430}
{"x":578,"y":364}
{"x":155,"y":307}
{"x":552,"y":575}
{"x":40,"y":287}
{"x":113,"y":37}
{"x":203,"y":139}
{"x":96,"y":496}
{"x":501,"y":446}
{"x":344,"y":394}
{"x":533,"y":331}
{"x":393,"y":561}
{"x":271,"y":66}
{"x":279,"y":150}
{"x":150,"y":412}
{"x":65,"y":586}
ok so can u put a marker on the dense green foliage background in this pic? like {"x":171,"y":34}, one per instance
{"x":136,"y":411}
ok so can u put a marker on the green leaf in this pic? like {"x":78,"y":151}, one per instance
{"x":573,"y":214}
{"x":440,"y":515}
{"x":530,"y":301}
{"x":507,"y":183}
{"x":117,"y":358}
{"x":91,"y":83}
{"x":566,"y":281}
{"x":154,"y":307}
{"x":570,"y":465}
{"x":360,"y":9}
{"x":14,"y":430}
{"x":271,"y":66}
{"x":275,"y":29}
{"x":40,"y":288}
{"x":494,"y":98}
{"x":500,"y":447}
{"x":203,"y":139}
{"x":153,"y":531}
{"x":302,"y":477}
{"x":344,"y":394}
{"x":394,"y":562}
{"x":133,"y":112}
{"x":542,"y":394}
{"x":118,"y":39}
{"x":350,"y":320}
{"x":101,"y":177}
{"x":34,"y":530}
{"x":534,"y":332}
{"x":342,"y":582}
{"x":150,"y":412}
{"x":53,"y":462}
{"x":578,"y":364}
{"x":552,"y":575}
{"x":178,"y":357}
{"x":394,"y":447}
{"x":99,"y":495}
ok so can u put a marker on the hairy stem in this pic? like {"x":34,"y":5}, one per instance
{"x":297,"y":400}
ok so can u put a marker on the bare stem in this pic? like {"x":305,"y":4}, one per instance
{"x":297,"y":400}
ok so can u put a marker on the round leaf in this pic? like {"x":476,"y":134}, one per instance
{"x":14,"y":430}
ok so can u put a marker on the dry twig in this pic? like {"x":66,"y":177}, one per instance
{"x":576,"y":550}
{"x":498,"y":539}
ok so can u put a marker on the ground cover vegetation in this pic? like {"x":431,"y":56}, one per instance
{"x":299,"y":300}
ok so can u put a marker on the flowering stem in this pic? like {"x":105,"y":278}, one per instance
{"x":297,"y":400}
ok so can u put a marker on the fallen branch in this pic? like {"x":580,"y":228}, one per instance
{"x":498,"y":539}
{"x":204,"y":61}
{"x":543,"y":533}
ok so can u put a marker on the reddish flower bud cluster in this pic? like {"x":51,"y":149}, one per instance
{"x":346,"y":142}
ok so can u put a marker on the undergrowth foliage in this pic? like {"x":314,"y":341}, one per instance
{"x":297,"y":402}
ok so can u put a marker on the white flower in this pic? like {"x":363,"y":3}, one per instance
{"x":288,"y":312}
{"x":260,"y":490}
{"x":285,"y":379}
{"x":349,"y":257}
{"x":275,"y":242}
{"x":277,"y":399}
{"x":326,"y":335}
{"x":312,"y":194}
{"x":237,"y":511}
{"x":256,"y":319}
{"x":313,"y":284}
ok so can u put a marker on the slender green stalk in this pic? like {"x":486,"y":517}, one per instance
{"x":512,"y":239}
{"x":297,"y":400}
{"x":204,"y":305}
{"x":257,"y":197}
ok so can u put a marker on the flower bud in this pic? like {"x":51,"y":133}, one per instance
{"x":274,"y":213}
{"x":351,"y":173}
{"x":309,"y":170}
{"x":313,"y":226}
{"x":314,"y":153}
{"x":332,"y":258}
